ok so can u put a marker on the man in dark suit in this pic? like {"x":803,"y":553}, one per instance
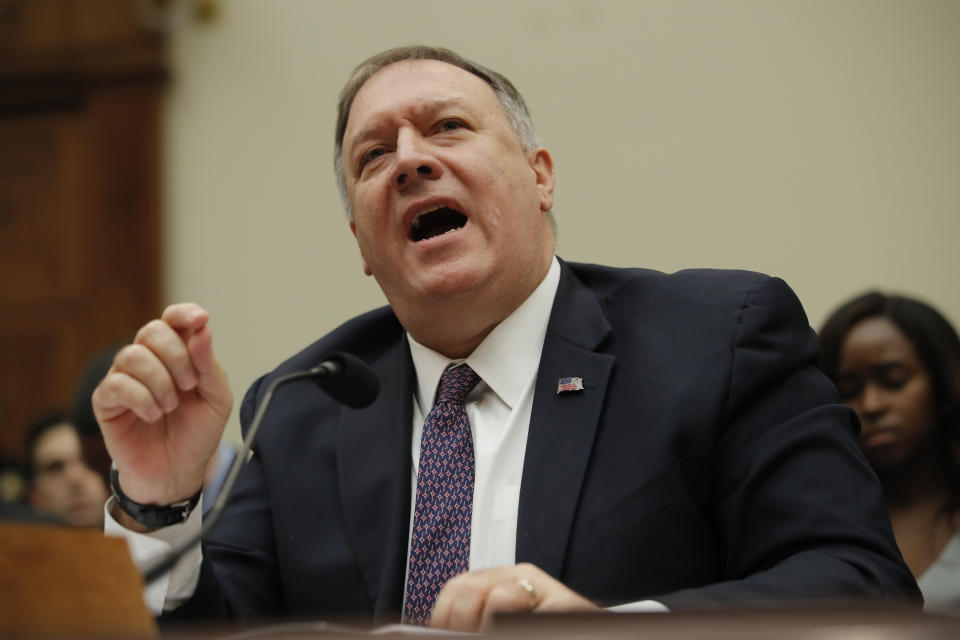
{"x":625,"y":436}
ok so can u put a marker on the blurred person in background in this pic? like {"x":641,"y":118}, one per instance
{"x":61,"y":483}
{"x":81,"y":411}
{"x":896,"y":362}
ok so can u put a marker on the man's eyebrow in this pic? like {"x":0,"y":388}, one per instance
{"x":427,"y":107}
{"x":51,"y":465}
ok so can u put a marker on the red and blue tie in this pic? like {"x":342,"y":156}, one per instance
{"x":440,"y":542}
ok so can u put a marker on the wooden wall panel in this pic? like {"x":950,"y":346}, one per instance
{"x":81,"y":87}
{"x":37,"y":227}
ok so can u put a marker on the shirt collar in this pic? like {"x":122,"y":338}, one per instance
{"x":506,"y":358}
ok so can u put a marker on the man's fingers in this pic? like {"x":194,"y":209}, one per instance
{"x":505,"y":598}
{"x":469,"y":601}
{"x":190,"y":322}
{"x":212,"y":384}
{"x":459,"y":604}
{"x":119,"y":393}
{"x":168,"y":347}
{"x":185,"y":316}
{"x":169,"y":356}
{"x":143,"y":365}
{"x":200,"y":348}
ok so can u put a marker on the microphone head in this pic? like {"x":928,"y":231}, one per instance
{"x":348,"y":380}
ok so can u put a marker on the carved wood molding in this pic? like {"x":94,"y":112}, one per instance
{"x":53,"y":53}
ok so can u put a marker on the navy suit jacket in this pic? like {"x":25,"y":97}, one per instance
{"x":706,"y":461}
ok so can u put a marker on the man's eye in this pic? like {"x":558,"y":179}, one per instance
{"x":53,"y":468}
{"x":371,"y":155}
{"x":450,"y":125}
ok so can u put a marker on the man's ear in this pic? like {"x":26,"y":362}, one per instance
{"x":542,"y":165}
{"x":353,"y":230}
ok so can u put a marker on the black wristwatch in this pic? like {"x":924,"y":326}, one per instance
{"x":152,"y":516}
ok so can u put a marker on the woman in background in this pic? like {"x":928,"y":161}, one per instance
{"x":896,"y":362}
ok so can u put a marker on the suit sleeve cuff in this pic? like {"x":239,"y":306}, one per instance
{"x":641,"y":606}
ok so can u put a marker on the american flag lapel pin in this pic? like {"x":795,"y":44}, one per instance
{"x":569,"y":384}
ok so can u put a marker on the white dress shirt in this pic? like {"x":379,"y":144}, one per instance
{"x":499,"y":410}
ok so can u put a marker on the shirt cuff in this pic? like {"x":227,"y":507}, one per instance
{"x":641,"y":606}
{"x":173,"y":589}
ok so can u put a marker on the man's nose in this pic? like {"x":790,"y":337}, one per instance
{"x":76,"y":471}
{"x":415,"y":161}
{"x":73,"y":476}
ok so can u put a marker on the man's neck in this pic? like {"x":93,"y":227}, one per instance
{"x":455,"y":347}
{"x":456,"y":329}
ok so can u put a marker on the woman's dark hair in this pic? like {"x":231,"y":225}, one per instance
{"x":936,"y":343}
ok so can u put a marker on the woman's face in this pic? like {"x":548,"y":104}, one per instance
{"x":881,"y":376}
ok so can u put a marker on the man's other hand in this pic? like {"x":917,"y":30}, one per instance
{"x":469,"y":601}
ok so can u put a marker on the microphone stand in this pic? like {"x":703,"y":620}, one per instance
{"x":328,"y":370}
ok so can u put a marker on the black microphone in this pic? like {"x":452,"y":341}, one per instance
{"x":345,"y":377}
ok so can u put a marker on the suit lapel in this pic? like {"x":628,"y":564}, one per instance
{"x":562,"y":426}
{"x":374,"y":472}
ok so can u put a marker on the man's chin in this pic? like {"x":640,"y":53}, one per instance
{"x":450,"y":287}
{"x":436,"y":282}
{"x":85,"y":517}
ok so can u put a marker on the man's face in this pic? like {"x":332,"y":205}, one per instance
{"x":63,"y":485}
{"x":448,"y":206}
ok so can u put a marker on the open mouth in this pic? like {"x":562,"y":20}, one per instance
{"x":436,"y":222}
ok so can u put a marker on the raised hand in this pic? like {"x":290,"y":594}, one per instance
{"x":163,"y":406}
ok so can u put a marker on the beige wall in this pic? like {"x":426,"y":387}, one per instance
{"x":817,"y":140}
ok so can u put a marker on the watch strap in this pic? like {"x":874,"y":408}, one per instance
{"x":152,"y":516}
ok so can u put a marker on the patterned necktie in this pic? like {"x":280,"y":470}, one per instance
{"x":440,"y":542}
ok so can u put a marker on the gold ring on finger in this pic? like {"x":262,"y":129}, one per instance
{"x":524,"y":584}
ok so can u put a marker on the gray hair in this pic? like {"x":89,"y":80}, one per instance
{"x":510,"y":100}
